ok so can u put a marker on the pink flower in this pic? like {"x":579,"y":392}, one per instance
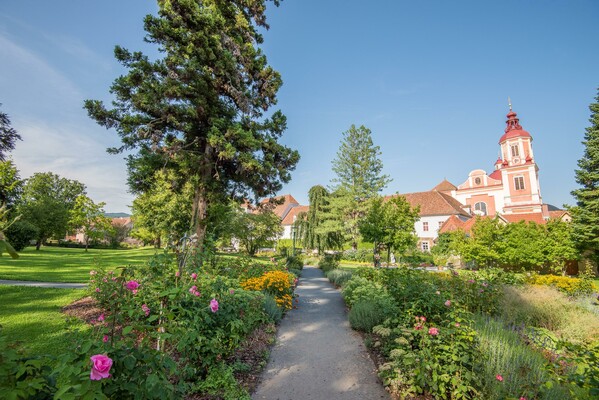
{"x":97,"y":290}
{"x":132,"y":285}
{"x":213,"y":305}
{"x":177,"y":274}
{"x":470,"y":280}
{"x":433,"y":331}
{"x":113,"y":279}
{"x":101,"y":318}
{"x":92,"y":272}
{"x":480,"y":291}
{"x":448,"y":303}
{"x":423,"y":318}
{"x":231,"y":291}
{"x":134,"y":291}
{"x":104,"y":280}
{"x":194,"y":276}
{"x":194,"y":290}
{"x":499,"y":378}
{"x":485,"y":284}
{"x":105,"y":338}
{"x":418,"y":327}
{"x":457,"y":324}
{"x":145,"y":309}
{"x":101,"y":365}
{"x":522,"y":398}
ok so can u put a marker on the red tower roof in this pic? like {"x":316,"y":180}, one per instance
{"x":513,"y":128}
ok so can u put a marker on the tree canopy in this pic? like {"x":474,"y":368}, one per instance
{"x":200,"y":109}
{"x":46,"y":202}
{"x":88,"y":217}
{"x":8,"y":136}
{"x":585,"y":215}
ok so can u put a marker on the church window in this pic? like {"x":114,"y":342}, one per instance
{"x":425,"y":226}
{"x":424,"y":246}
{"x":480,"y":208}
{"x":515,"y":151}
{"x":519,"y":183}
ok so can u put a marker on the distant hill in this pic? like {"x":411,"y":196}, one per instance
{"x":117,"y":215}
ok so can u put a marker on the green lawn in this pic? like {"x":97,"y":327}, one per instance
{"x":60,"y":264}
{"x":32,"y":317}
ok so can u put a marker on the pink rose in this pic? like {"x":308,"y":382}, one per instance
{"x":448,"y":303}
{"x":101,"y":318}
{"x":97,"y":290}
{"x":105,"y":338}
{"x":194,"y":276}
{"x":101,"y":365}
{"x":522,"y":398}
{"x":177,"y":274}
{"x":145,"y":309}
{"x":194,"y":290}
{"x":231,"y":291}
{"x":213,"y":305}
{"x":433,"y":331}
{"x":132,"y":285}
{"x":457,"y":324}
{"x":499,"y":378}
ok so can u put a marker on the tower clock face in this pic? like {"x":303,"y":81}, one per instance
{"x":477,"y":181}
{"x":516,"y":160}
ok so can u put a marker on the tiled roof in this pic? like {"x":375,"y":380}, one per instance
{"x":445,"y":186}
{"x":528,"y":217}
{"x":434,"y":203}
{"x":454,"y":223}
{"x":496,"y":175}
{"x":557,"y":214}
{"x":288,"y":220}
{"x":282,"y":209}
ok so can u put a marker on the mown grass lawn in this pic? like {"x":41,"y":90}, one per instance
{"x":60,"y":264}
{"x":32,"y":316}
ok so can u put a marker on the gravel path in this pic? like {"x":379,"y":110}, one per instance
{"x":58,"y":285}
{"x":317,"y":355}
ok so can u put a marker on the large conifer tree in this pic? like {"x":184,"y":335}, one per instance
{"x":199,"y":110}
{"x":585,"y":215}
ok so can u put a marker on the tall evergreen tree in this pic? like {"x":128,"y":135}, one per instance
{"x":8,"y":136}
{"x":359,"y":178}
{"x":200,"y":108}
{"x":585,"y":215}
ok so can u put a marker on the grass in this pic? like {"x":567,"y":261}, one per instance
{"x":60,"y":264}
{"x":32,"y":317}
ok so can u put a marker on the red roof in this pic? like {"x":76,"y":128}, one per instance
{"x":445,"y":186}
{"x":283,"y":208}
{"x":513,"y":129}
{"x":434,"y":203}
{"x":289,"y":218}
{"x":496,"y":175}
{"x":528,"y":217}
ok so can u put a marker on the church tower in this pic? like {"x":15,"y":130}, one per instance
{"x":519,"y":172}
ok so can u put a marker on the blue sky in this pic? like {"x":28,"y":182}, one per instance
{"x":429,"y":78}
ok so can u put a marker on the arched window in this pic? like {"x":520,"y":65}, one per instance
{"x":480,"y":208}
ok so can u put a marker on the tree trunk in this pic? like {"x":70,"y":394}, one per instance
{"x":201,"y":200}
{"x":38,"y":244}
{"x":86,"y":245}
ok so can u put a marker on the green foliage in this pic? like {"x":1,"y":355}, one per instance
{"x":11,"y":184}
{"x":366,"y":314}
{"x":359,"y":288}
{"x":272,"y":309}
{"x":585,"y":215}
{"x":255,"y":231}
{"x":46,"y":202}
{"x":390,"y":223}
{"x":200,"y":109}
{"x":20,"y":234}
{"x":295,"y":262}
{"x":88,"y":217}
{"x":339,"y":277}
{"x":328,"y":262}
{"x":8,"y":136}
{"x":585,"y":377}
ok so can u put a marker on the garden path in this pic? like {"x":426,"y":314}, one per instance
{"x":317,"y":355}
{"x":57,"y":285}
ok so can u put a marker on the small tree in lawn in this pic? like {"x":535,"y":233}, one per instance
{"x":585,"y":215}
{"x":256,"y":230}
{"x":46,"y":202}
{"x":390,"y":223}
{"x":88,"y":218}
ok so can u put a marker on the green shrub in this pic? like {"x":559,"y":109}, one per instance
{"x":360,"y":255}
{"x":295,"y":262}
{"x":20,"y":234}
{"x":358,"y":288}
{"x":339,"y":277}
{"x":328,"y":262}
{"x":295,"y":272}
{"x":274,"y":312}
{"x":565,"y":284}
{"x":522,"y":371}
{"x":366,"y":314}
{"x":311,"y":260}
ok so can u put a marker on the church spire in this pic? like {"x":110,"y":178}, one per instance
{"x":513,"y":123}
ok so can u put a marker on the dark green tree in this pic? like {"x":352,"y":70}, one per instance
{"x":11,"y":184}
{"x":359,"y":177}
{"x":200,"y":108}
{"x":46,"y":202}
{"x":585,"y":215}
{"x":8,"y":136}
{"x":256,"y":230}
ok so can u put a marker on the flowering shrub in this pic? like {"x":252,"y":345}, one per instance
{"x":278,"y":284}
{"x":568,"y":285}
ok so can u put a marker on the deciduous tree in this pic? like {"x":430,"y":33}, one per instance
{"x":200,"y":108}
{"x":88,"y":218}
{"x":46,"y":201}
{"x":256,"y":230}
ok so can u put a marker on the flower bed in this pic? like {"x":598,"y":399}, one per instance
{"x":165,"y":333}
